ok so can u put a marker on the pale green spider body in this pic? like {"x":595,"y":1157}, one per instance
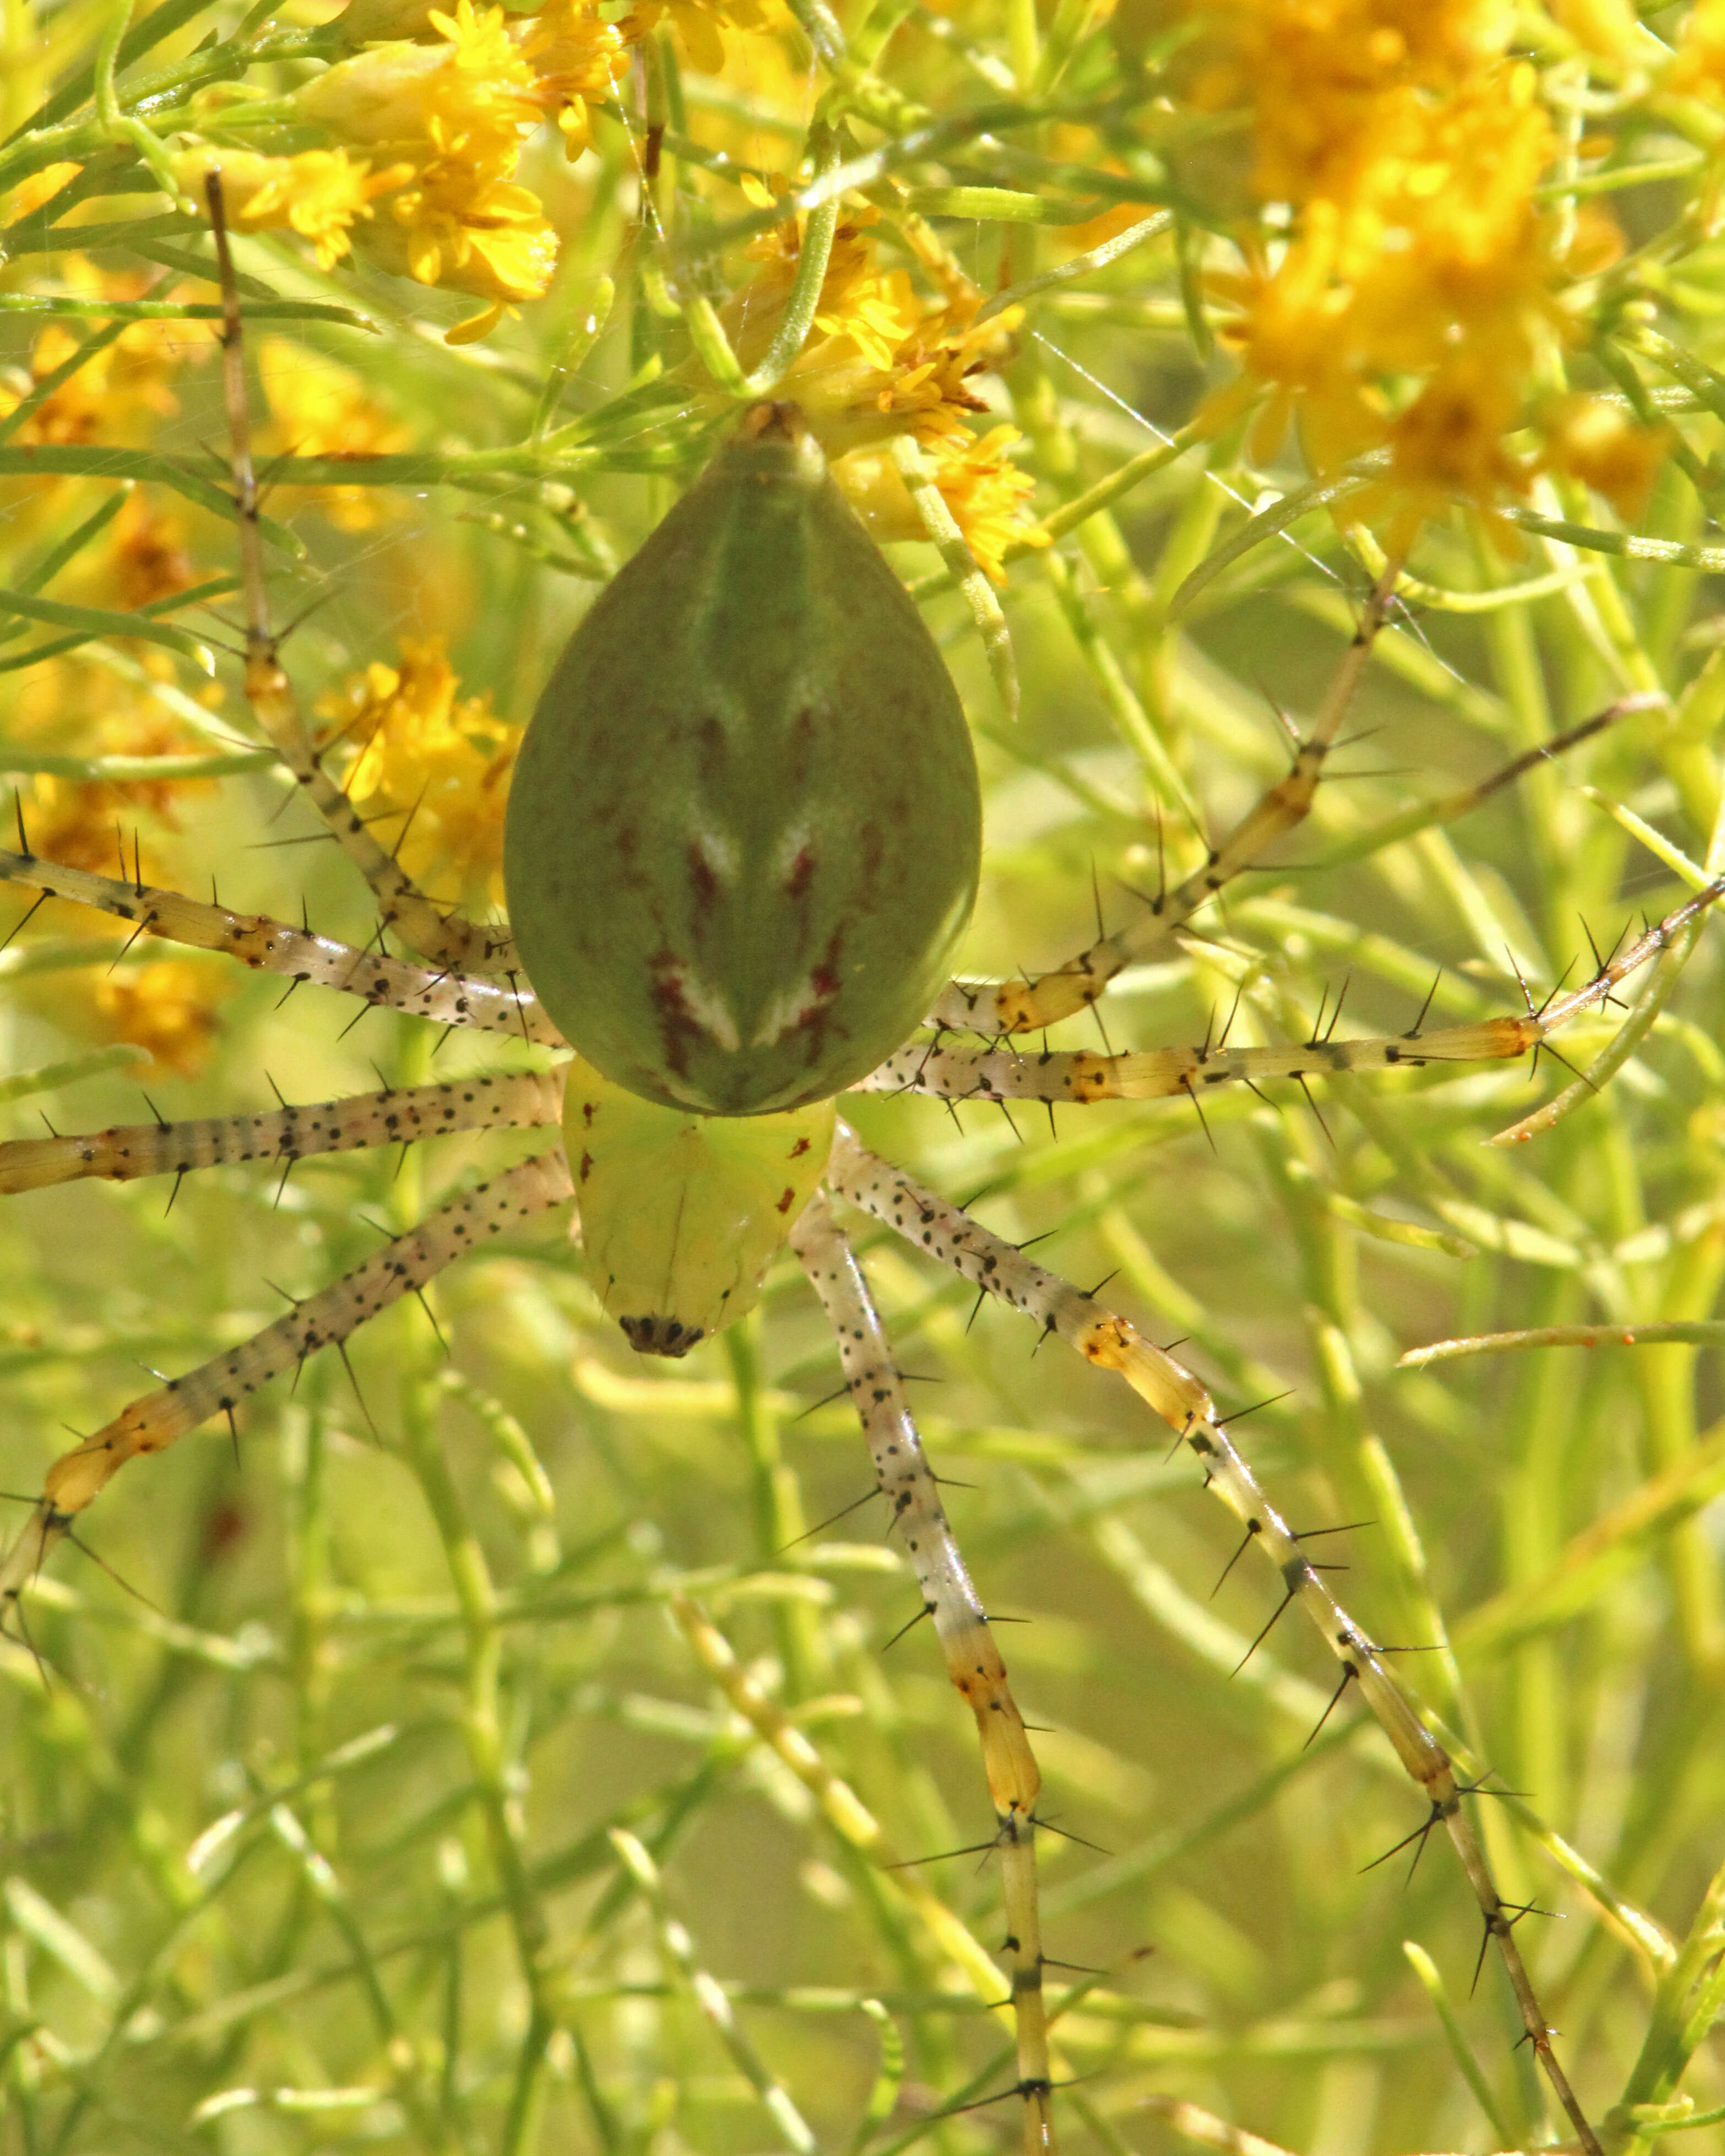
{"x":745,"y":834}
{"x":744,"y":842}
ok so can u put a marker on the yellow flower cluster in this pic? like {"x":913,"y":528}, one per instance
{"x":427,"y":140}
{"x":576,"y":58}
{"x":987,"y":493}
{"x":441,"y":761}
{"x":450,"y":120}
{"x":424,"y":139}
{"x":1699,"y":67}
{"x":882,"y":361}
{"x":318,"y":194}
{"x":1420,"y":284}
{"x":80,"y":705}
{"x":119,"y":394}
{"x":167,"y":1006}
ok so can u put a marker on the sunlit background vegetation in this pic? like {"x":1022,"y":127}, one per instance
{"x":468,"y":1756}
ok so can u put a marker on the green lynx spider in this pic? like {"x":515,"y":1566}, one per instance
{"x":463,"y":973}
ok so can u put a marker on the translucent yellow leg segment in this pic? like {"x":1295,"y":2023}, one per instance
{"x":961,"y":1624}
{"x":957,"y":1073}
{"x":1111,"y":1342}
{"x":283,"y":1136}
{"x":448,"y":939}
{"x":418,"y":991}
{"x":1023,"y":1006}
{"x":845,"y":1811}
{"x":324,"y":1320}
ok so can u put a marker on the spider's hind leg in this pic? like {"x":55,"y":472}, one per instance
{"x":152,"y":1423}
{"x":1109,"y":1341}
{"x":961,"y":1624}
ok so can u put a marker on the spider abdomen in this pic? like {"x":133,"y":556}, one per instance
{"x":745,"y":833}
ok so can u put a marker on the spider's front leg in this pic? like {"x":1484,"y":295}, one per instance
{"x":994,"y":1008}
{"x":447,"y":938}
{"x":438,"y":993}
{"x":957,"y":1073}
{"x":947,"y":1234}
{"x":1025,"y":1006}
{"x":284,"y":1135}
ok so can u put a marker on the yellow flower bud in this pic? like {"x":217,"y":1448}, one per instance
{"x":474,"y":91}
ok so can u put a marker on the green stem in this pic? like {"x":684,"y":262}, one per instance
{"x":813,"y":254}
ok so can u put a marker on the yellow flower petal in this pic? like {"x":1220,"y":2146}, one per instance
{"x":415,"y":746}
{"x":318,"y":194}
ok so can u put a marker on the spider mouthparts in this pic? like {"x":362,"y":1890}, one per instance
{"x":660,"y":1336}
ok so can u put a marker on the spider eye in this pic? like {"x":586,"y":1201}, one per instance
{"x":744,"y":834}
{"x":681,"y":1214}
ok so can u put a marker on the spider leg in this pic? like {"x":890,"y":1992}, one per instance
{"x":447,"y":938}
{"x":958,"y":1073}
{"x":961,"y":1624}
{"x":1670,"y":940}
{"x":284,"y":1135}
{"x":1022,"y":1005}
{"x":326,"y":1319}
{"x":1110,"y":1342}
{"x":1056,"y":1074}
{"x":400,"y":984}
